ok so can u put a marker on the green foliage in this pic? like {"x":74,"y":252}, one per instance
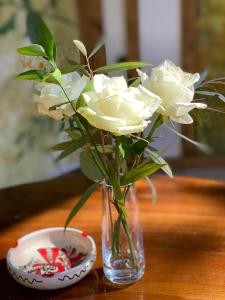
{"x":140,"y":172}
{"x":56,"y":75}
{"x":81,"y":102}
{"x":158,"y":159}
{"x":81,"y":202}
{"x":124,"y":66}
{"x":129,"y":148}
{"x":72,"y":147}
{"x":33,"y":75}
{"x":61,"y":146}
{"x":32,"y":50}
{"x":88,"y":166}
{"x":39,"y":33}
{"x":74,"y":133}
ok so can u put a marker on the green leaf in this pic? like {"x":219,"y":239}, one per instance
{"x":74,"y":133}
{"x":89,"y":167}
{"x":140,"y":172}
{"x":80,"y":46}
{"x":97,"y":47}
{"x":32,"y":50}
{"x":125,"y":145}
{"x":39,"y":33}
{"x":33,"y":75}
{"x":124,"y":66}
{"x":61,"y":146}
{"x":158,"y":120}
{"x":72,"y":147}
{"x":207,"y":93}
{"x":81,"y":202}
{"x":158,"y":159}
{"x":81,"y":102}
{"x":153,"y":189}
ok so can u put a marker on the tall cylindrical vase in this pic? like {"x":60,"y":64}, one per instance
{"x":122,"y":238}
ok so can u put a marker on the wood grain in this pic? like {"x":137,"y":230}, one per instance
{"x":184,"y":236}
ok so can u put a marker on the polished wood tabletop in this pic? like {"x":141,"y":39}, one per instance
{"x":184,"y":235}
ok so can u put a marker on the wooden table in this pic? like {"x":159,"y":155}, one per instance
{"x":184,"y":237}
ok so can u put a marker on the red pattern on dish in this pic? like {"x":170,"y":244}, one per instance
{"x":56,"y":260}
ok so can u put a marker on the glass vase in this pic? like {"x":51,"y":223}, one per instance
{"x":122,"y":238}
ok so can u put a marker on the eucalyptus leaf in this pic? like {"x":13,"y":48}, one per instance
{"x":89,"y":167}
{"x":32,"y":50}
{"x":39,"y":33}
{"x":123,"y":66}
{"x":80,"y":46}
{"x":140,"y":172}
{"x":81,"y":202}
{"x":72,"y":147}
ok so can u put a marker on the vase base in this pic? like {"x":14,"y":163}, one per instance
{"x":123,"y":276}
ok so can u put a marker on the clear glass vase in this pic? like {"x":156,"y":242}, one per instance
{"x":122,"y":238}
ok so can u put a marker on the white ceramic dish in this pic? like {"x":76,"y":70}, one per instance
{"x":51,"y":259}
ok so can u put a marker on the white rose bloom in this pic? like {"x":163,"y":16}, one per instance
{"x":176,"y":90}
{"x":52,"y":94}
{"x":115,"y":107}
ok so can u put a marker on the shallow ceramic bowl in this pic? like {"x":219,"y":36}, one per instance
{"x":51,"y":259}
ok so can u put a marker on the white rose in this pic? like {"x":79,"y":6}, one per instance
{"x":114,"y":107}
{"x":175,"y":88}
{"x":52,"y":94}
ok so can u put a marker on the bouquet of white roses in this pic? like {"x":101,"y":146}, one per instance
{"x":111,"y":119}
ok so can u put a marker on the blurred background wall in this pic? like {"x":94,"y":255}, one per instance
{"x":189,"y":32}
{"x":26,"y":136}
